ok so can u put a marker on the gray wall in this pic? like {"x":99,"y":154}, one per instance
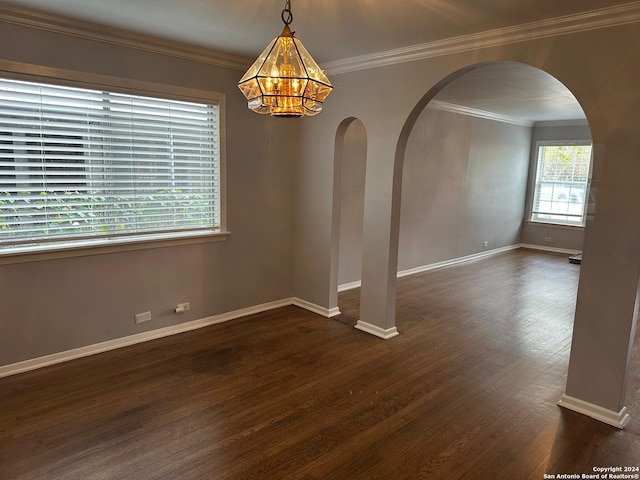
{"x":56,"y":305}
{"x":600,"y":67}
{"x":464,"y":183}
{"x":563,"y":237}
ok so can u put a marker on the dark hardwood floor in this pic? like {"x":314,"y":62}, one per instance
{"x":467,"y":391}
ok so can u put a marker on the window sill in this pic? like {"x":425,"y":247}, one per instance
{"x":554,"y":225}
{"x":105,"y":246}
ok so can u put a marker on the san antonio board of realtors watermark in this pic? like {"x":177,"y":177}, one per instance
{"x":599,"y":473}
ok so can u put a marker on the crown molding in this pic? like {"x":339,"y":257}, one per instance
{"x":591,"y":20}
{"x":580,"y":122}
{"x":114,"y":36}
{"x":568,"y":24}
{"x":474,"y":112}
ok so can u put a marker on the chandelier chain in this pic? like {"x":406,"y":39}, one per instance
{"x":287,"y":16}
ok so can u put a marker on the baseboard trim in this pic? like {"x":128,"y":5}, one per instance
{"x":61,"y":357}
{"x":432,"y":266}
{"x":568,"y":251}
{"x":55,"y":358}
{"x":446,"y":263}
{"x":454,"y":261}
{"x":377,"y":331}
{"x":317,"y":309}
{"x":610,"y":417}
{"x":349,"y":286}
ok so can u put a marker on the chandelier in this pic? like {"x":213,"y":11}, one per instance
{"x":285,"y":81}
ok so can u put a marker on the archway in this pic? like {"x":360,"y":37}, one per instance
{"x":605,"y":405}
{"x":350,"y":157}
{"x":378,"y":282}
{"x":469,"y":169}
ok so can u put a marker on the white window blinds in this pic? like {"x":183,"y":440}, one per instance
{"x":78,"y":165}
{"x":561,"y":183}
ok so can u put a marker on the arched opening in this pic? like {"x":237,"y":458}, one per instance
{"x":459,"y":231}
{"x":549,"y":130}
{"x":354,"y":164}
{"x":349,"y":181}
{"x":475,"y":179}
{"x":471,"y":184}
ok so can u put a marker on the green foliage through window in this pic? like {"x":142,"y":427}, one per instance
{"x":78,"y":164}
{"x":561,"y":184}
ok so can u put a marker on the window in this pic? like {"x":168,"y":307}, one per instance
{"x":561,"y":183}
{"x":89,"y":167}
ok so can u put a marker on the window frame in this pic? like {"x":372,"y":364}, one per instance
{"x":31,"y":73}
{"x":534,"y":178}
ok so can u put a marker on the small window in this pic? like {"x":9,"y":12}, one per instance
{"x":561,"y":183}
{"x":87,"y":167}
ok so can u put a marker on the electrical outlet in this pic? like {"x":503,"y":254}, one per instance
{"x":143,"y":317}
{"x":485,"y":244}
{"x":183,"y":307}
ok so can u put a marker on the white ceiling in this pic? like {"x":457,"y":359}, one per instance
{"x":338,"y":29}
{"x":330,"y":29}
{"x":522,"y":93}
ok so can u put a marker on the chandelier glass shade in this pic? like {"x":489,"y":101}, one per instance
{"x":285,"y":80}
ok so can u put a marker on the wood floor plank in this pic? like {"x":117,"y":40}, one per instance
{"x":467,"y":391}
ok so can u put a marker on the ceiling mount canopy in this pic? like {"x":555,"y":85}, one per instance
{"x":285,"y":80}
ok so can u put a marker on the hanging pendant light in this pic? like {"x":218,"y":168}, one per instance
{"x":285,"y":81}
